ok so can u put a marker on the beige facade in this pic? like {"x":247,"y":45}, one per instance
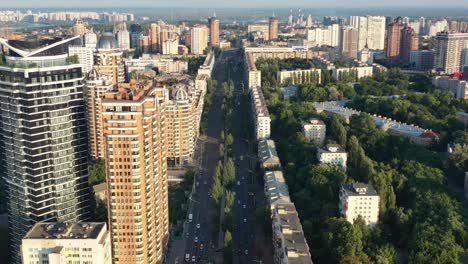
{"x":358,"y":199}
{"x":315,"y":130}
{"x":134,"y":124}
{"x":109,"y":62}
{"x":95,"y":88}
{"x":58,"y":243}
{"x":300,"y":76}
{"x":199,"y":34}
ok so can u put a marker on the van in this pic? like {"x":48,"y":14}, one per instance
{"x":190,"y":217}
{"x":187,"y":257}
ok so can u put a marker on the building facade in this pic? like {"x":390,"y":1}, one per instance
{"x":332,"y":154}
{"x":273,"y":28}
{"x":409,"y":42}
{"x":108,"y":59}
{"x":449,"y":51}
{"x":349,"y":42}
{"x":44,"y":141}
{"x":136,"y":169}
{"x":315,"y":130}
{"x":358,"y":199}
{"x":199,"y":41}
{"x":58,"y":243}
{"x":214,"y":31}
{"x":394,"y":39}
{"x":85,"y":57}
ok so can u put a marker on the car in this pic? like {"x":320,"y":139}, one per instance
{"x":241,"y":157}
{"x":238,"y":183}
{"x":187,"y":257}
{"x":198,"y":226}
{"x":238,"y":201}
{"x":201,"y":246}
{"x":244,"y":206}
{"x":246,"y":251}
{"x":240,"y":251}
{"x":195,"y":240}
{"x":245,"y":220}
{"x":194,"y":258}
{"x":205,"y":183}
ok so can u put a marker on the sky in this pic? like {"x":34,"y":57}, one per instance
{"x":228,"y":3}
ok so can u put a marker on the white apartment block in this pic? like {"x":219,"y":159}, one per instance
{"x":264,"y":30}
{"x":163,"y":65}
{"x":358,"y":199}
{"x":456,"y":86}
{"x":332,"y":154}
{"x":199,"y":42}
{"x":85,"y":56}
{"x":300,"y":76}
{"x":371,"y":31}
{"x":260,"y":114}
{"x":207,"y":67}
{"x":170,"y":46}
{"x":359,"y":72}
{"x":315,"y":130}
{"x":58,"y":243}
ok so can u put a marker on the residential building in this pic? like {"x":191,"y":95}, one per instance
{"x":394,"y":40}
{"x":276,"y":189}
{"x":454,"y":85}
{"x":289,"y":92}
{"x":289,"y":243}
{"x":332,"y":154}
{"x":95,"y":88}
{"x":170,"y":46}
{"x":449,"y":51}
{"x":154,"y":37}
{"x":371,"y":31}
{"x":414,"y":133}
{"x":349,"y":42}
{"x":90,"y":39}
{"x":79,"y":28}
{"x":315,"y":130}
{"x":149,"y":63}
{"x":85,"y":56}
{"x":199,"y":42}
{"x":409,"y":42}
{"x":108,"y":58}
{"x":135,"y":34}
{"x":133,"y":120}
{"x":273,"y":28}
{"x":262,"y":30}
{"x":43,"y":136}
{"x":355,"y":72}
{"x":214,"y":31}
{"x":208,"y":64}
{"x":300,"y":76}
{"x":422,"y":60}
{"x":57,"y":243}
{"x":359,"y":199}
{"x":123,"y":38}
{"x":267,"y":154}
{"x":261,"y":115}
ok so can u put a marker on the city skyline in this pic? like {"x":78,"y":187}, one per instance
{"x":225,"y":3}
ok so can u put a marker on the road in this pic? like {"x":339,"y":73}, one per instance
{"x":243,"y":225}
{"x":199,"y":243}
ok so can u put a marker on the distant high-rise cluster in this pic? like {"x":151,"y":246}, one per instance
{"x":401,"y":40}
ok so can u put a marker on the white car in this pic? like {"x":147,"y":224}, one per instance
{"x":246,"y":251}
{"x":245,"y":220}
{"x":238,"y":183}
{"x":194,"y":259}
{"x":244,"y":206}
{"x":198,"y":225}
{"x":195,"y":240}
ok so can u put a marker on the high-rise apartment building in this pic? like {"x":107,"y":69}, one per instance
{"x":154,"y":38}
{"x":108,"y":58}
{"x":85,"y":57}
{"x":79,"y":28}
{"x":273,"y":27}
{"x":394,"y":40}
{"x":43,"y":143}
{"x":123,"y":36}
{"x":409,"y":42}
{"x":57,"y":243}
{"x":135,"y":34}
{"x":450,"y":49}
{"x":214,"y":31}
{"x":133,"y":119}
{"x":95,"y":88}
{"x":90,"y":39}
{"x":199,"y":35}
{"x":371,"y":31}
{"x":349,"y":40}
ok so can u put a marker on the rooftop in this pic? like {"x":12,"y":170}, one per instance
{"x":267,"y":151}
{"x":357,"y":189}
{"x":276,"y":187}
{"x":56,"y":230}
{"x":335,"y":148}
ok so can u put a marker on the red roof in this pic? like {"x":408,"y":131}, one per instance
{"x":430,"y":134}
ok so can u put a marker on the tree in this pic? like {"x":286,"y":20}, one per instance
{"x":229,"y":176}
{"x":97,"y":172}
{"x":227,"y":252}
{"x":230,"y":140}
{"x":216,"y":191}
{"x":338,"y":131}
{"x":342,"y":240}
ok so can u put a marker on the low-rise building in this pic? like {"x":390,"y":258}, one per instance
{"x":300,"y":76}
{"x":332,"y":154}
{"x":359,"y":199}
{"x":57,"y":243}
{"x":454,"y":85}
{"x":162,"y":65}
{"x":267,"y":154}
{"x":276,"y":189}
{"x":357,"y":73}
{"x":463,"y":117}
{"x":207,"y":67}
{"x":315,"y":130}
{"x":289,"y":243}
{"x":289,"y":92}
{"x":323,"y":63}
{"x":261,"y":115}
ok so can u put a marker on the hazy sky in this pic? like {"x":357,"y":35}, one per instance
{"x":229,"y":3}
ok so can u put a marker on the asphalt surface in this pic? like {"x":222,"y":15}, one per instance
{"x":199,"y":244}
{"x":243,"y":225}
